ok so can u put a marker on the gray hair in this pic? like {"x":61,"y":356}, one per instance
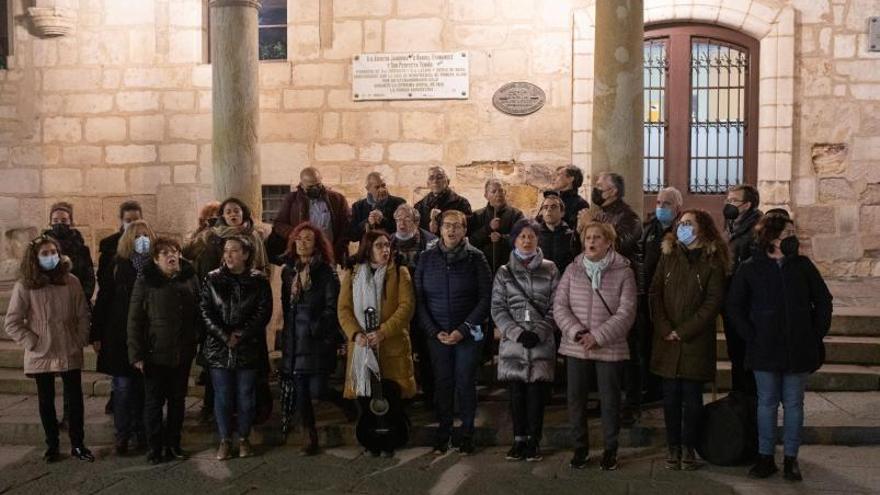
{"x":409,"y":211}
{"x":492,"y":182}
{"x":675,"y":193}
{"x":616,"y":181}
{"x":436,"y":167}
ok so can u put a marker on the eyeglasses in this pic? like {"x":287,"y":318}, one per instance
{"x":452,"y":226}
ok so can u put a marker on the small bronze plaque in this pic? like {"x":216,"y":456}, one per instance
{"x":519,"y":98}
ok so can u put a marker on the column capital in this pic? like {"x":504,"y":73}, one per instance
{"x":236,"y":3}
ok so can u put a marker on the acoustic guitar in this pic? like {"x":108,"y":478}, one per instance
{"x":382,"y":425}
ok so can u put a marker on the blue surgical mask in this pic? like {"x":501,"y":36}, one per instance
{"x":685,"y":234}
{"x":524,"y":255}
{"x":49,"y":262}
{"x":664,"y":215}
{"x":142,"y":245}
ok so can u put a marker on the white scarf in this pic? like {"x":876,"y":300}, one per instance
{"x":595,"y":268}
{"x":367,"y":291}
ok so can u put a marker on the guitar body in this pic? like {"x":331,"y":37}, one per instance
{"x":382,"y":425}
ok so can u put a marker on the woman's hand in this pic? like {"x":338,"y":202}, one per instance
{"x":374,"y":338}
{"x":361,"y":340}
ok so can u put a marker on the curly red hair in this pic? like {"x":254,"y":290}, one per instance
{"x":322,"y":245}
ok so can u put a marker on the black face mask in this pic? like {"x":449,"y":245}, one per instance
{"x":314,"y":192}
{"x":790,"y":246}
{"x":596,"y":197}
{"x":730,"y":212}
{"x":61,"y":229}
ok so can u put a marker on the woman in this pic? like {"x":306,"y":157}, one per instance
{"x":376,"y":281}
{"x":110,"y":338}
{"x":49,"y":317}
{"x":522,"y":308}
{"x":163,"y":330}
{"x":686,"y":298}
{"x":595,"y":307}
{"x":309,"y":292}
{"x":236,"y":306}
{"x":454,"y":292}
{"x":782,"y":308}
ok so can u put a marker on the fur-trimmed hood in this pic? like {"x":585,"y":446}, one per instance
{"x":155,"y":278}
{"x":710,"y":250}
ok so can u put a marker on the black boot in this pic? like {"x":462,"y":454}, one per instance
{"x":580,"y":458}
{"x":764,"y":467}
{"x":791,"y":471}
{"x":311,"y":446}
{"x":51,"y":455}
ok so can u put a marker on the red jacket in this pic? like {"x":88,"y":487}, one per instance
{"x":295,"y":210}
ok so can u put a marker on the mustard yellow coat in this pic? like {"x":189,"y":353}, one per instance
{"x":395,"y":350}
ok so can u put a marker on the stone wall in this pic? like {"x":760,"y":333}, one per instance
{"x":121,"y":108}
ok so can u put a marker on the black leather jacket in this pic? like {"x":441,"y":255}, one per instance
{"x":231,"y":302}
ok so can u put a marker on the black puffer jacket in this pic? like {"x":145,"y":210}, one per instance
{"x":783,"y":311}
{"x":163,"y":317}
{"x":74,"y":247}
{"x":559,"y":245}
{"x":231,"y":302}
{"x":110,"y":317}
{"x":497,"y":253}
{"x":452,"y":292}
{"x":311,"y":332}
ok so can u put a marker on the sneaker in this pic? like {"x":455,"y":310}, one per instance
{"x":154,"y":457}
{"x":517,"y":452}
{"x":764,"y":467}
{"x":580,"y":459}
{"x":609,"y":461}
{"x":466,"y":446}
{"x":441,"y":446}
{"x":791,"y":471}
{"x":533,"y":452}
{"x":51,"y":455}
{"x":82,"y":453}
{"x":689,"y":460}
{"x":172,"y":453}
{"x":224,"y":451}
{"x":245,"y":449}
{"x":673,"y":458}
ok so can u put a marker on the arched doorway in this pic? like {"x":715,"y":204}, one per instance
{"x":701,"y":112}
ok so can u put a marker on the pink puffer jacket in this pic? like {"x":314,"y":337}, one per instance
{"x":577,"y":307}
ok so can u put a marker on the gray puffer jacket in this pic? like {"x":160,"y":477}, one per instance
{"x":515,"y":312}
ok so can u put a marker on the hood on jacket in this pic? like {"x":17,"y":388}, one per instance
{"x":155,"y":278}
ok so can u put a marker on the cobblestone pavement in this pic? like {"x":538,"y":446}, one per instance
{"x":827,"y":469}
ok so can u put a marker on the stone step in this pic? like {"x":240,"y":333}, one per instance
{"x":829,"y":378}
{"x":855,"y":321}
{"x":838,"y":350}
{"x":830,"y":418}
{"x":14,"y":381}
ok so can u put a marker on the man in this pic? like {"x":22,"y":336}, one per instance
{"x":741,"y":214}
{"x":607,"y":197}
{"x":559,"y":243}
{"x":312,"y":202}
{"x":129,"y":211}
{"x":376,"y":211}
{"x":408,"y":243}
{"x":61,"y":228}
{"x":567,"y":182}
{"x":440,"y":199}
{"x":667,"y":210}
{"x":489,"y":227}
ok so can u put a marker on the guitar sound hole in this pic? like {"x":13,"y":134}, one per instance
{"x":379,"y":407}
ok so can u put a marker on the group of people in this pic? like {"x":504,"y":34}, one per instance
{"x":624,"y":302}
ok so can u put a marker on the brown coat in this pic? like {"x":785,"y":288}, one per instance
{"x":295,"y":210}
{"x":395,"y":351}
{"x":686,"y":296}
{"x":51,"y":323}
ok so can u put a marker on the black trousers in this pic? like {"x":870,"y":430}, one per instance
{"x":742,"y":380}
{"x":527,"y":409}
{"x":163,"y":386}
{"x":73,"y":399}
{"x":682,"y":408}
{"x":317,"y":386}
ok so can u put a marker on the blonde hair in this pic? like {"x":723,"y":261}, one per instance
{"x":126,"y":242}
{"x":606,"y":229}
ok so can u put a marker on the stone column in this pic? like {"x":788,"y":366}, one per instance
{"x":236,"y":101}
{"x":617,"y":134}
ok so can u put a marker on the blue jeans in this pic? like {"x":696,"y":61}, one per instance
{"x":788,"y":388}
{"x":128,"y":406}
{"x":455,"y":378}
{"x":242,"y":383}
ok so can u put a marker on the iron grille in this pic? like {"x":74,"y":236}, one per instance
{"x":273,"y":197}
{"x":656,"y":65}
{"x":719,"y":75}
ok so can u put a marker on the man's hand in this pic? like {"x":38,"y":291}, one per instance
{"x":375,"y":218}
{"x":96,"y":345}
{"x":495,"y":223}
{"x":139,"y":366}
{"x":672,"y":336}
{"x":494,"y":237}
{"x":455,"y":337}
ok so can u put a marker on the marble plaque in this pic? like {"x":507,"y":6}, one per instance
{"x":519,"y":98}
{"x":410,"y":76}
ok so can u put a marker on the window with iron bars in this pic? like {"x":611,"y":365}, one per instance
{"x":273,"y":197}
